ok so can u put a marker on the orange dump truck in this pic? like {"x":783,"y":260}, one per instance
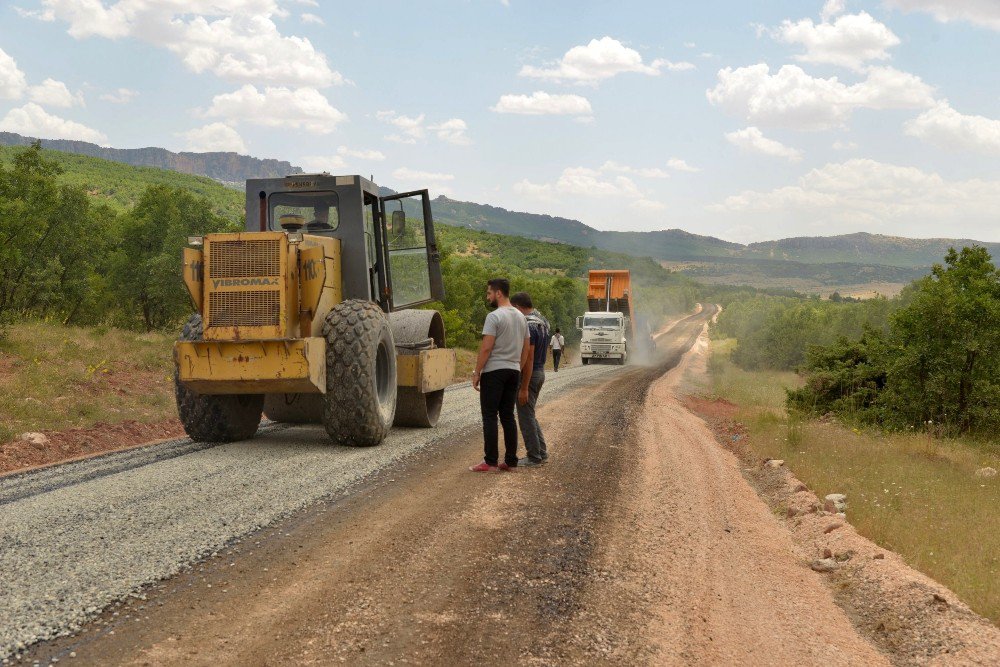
{"x":609,"y":325}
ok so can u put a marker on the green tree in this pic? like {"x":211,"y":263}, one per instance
{"x":52,"y":239}
{"x":945,"y":346}
{"x":147,"y":270}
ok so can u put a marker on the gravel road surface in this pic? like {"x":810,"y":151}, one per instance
{"x":77,"y":537}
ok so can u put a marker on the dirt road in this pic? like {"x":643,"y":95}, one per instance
{"x":639,"y":543}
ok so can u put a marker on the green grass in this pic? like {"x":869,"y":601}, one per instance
{"x":58,"y":377}
{"x":915,"y":495}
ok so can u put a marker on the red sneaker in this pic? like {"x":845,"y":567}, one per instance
{"x":483,"y":467}
{"x":504,"y":466}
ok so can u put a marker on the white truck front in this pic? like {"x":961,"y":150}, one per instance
{"x":603,"y":336}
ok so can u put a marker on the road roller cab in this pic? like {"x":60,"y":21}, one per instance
{"x":308,"y":315}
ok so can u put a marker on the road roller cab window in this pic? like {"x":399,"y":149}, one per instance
{"x":310,"y":212}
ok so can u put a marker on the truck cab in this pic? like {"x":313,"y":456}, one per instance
{"x":604,"y":336}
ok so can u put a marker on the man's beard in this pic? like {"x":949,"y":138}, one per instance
{"x":493,"y":303}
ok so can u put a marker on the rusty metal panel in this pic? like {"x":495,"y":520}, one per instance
{"x":427,"y":370}
{"x":252,"y":367}
{"x":194,"y":275}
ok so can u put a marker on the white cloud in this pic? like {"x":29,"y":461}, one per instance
{"x":236,"y":40}
{"x":213,"y":138}
{"x":33,"y":121}
{"x":584,"y":182}
{"x":539,"y":191}
{"x":981,"y":12}
{"x":650,"y":205}
{"x":411,"y":128}
{"x":849,"y":41}
{"x":368,"y":155}
{"x":55,"y":94}
{"x":600,"y":59}
{"x":542,"y":103}
{"x":452,"y":131}
{"x":12,"y":80}
{"x":865,"y":194}
{"x":120,"y":96}
{"x":791,"y":98}
{"x":678,"y":164}
{"x":943,"y":126}
{"x":312,"y":18}
{"x":408,"y":175}
{"x":322,"y":163}
{"x":304,"y":108}
{"x":642,"y":172}
{"x":840,"y":145}
{"x":751,"y":139}
{"x":832,"y":8}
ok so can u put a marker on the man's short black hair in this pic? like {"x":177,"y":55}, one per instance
{"x":501,"y":285}
{"x":557,"y":329}
{"x":521,"y":300}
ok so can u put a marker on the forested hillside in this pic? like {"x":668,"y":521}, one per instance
{"x":228,"y":167}
{"x":111,"y":238}
{"x":120,"y":186}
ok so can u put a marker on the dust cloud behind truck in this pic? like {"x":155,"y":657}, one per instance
{"x":610,"y":329}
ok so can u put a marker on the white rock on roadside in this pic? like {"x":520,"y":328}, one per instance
{"x":988,"y":471}
{"x":835,"y":503}
{"x":35,"y":438}
{"x":774,"y":463}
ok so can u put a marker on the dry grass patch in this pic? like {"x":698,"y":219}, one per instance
{"x":57,"y":377}
{"x":915,"y":495}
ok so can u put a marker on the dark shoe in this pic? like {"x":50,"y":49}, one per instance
{"x":528,"y":462}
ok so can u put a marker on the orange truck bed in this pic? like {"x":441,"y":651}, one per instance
{"x":611,"y":285}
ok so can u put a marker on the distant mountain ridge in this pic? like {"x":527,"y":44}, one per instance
{"x":226,"y":167}
{"x":669,"y":245}
{"x":678,"y":245}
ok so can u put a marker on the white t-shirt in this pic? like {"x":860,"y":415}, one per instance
{"x":510,"y":328}
{"x":557,"y":342}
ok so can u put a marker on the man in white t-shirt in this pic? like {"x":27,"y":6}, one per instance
{"x":558,"y":344}
{"x":502,"y":354}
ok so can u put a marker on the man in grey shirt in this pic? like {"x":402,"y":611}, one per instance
{"x":497,"y":376}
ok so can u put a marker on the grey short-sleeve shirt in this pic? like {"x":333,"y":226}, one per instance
{"x":510,"y":328}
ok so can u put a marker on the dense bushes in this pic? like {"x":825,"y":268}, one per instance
{"x":67,"y":258}
{"x":937,"y":364}
{"x":775,"y":332}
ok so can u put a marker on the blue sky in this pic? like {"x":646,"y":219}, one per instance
{"x":747,"y":121}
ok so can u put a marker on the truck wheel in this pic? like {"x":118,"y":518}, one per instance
{"x":624,"y":358}
{"x":584,"y":360}
{"x":215,"y":417}
{"x":360,"y":400}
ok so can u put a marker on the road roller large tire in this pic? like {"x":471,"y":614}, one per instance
{"x":411,"y":327}
{"x":360,"y":400}
{"x":215,"y":417}
{"x":294,"y":408}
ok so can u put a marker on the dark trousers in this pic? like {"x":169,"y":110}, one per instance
{"x":534,"y":441}
{"x":497,"y":397}
{"x":556,"y":356}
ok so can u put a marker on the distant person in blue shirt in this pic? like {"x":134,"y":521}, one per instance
{"x":532,"y":379}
